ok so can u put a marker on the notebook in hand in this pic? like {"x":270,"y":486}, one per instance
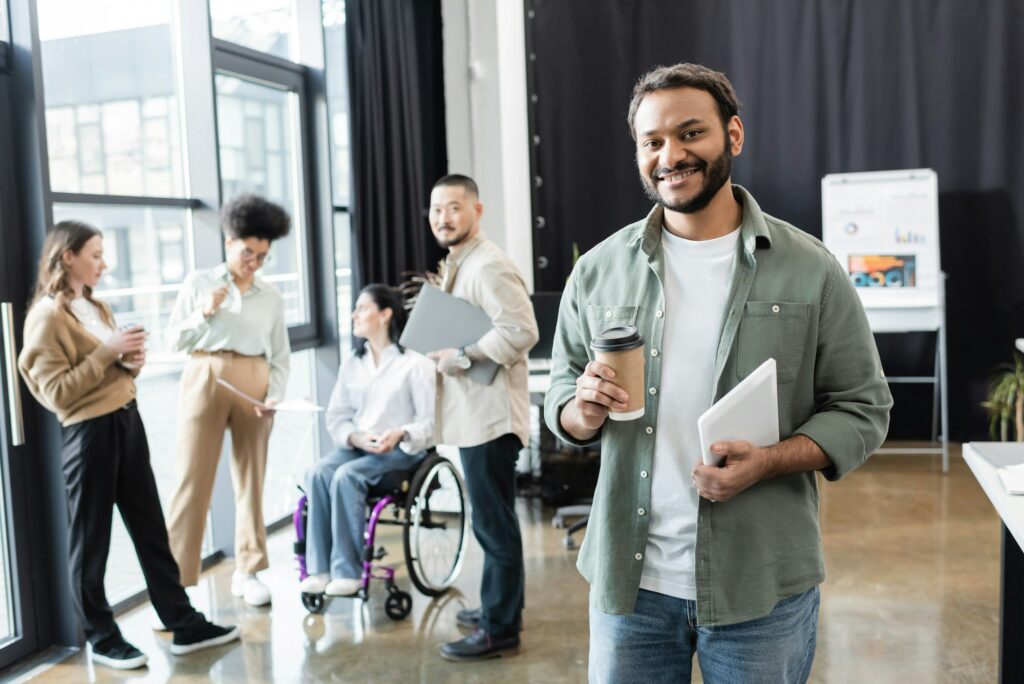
{"x":750,"y":411}
{"x":442,"y":321}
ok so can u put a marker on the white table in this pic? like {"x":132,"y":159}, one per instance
{"x":982,"y":458}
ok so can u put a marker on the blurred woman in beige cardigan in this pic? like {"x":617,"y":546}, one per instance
{"x":82,"y":368}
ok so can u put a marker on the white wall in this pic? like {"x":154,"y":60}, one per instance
{"x":486,"y":116}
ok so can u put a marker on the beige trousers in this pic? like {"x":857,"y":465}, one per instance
{"x":205,"y":411}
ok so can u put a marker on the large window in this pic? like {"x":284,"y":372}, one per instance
{"x":267,"y":26}
{"x":258,"y":139}
{"x":116,"y":159}
{"x":341,"y":162}
{"x":337,"y":99}
{"x":145,"y":141}
{"x":111,"y":97}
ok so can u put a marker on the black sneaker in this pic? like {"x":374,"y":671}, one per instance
{"x":480,"y":646}
{"x":117,"y":653}
{"x":203,"y":636}
{"x":468,"y":618}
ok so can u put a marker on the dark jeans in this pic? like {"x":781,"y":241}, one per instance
{"x":490,"y":470}
{"x":106,"y":462}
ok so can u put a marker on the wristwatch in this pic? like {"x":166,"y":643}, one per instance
{"x":462,"y":361}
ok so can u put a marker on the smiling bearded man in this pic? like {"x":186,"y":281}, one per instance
{"x":684,"y":558}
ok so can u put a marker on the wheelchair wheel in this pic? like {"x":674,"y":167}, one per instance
{"x":399,"y":605}
{"x":314,"y":603}
{"x":436,"y":526}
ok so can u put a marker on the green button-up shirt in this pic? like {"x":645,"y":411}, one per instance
{"x":790,"y":301}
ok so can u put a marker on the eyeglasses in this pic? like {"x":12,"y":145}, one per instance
{"x":261,"y":258}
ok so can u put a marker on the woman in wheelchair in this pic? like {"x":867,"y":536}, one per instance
{"x":381,"y":419}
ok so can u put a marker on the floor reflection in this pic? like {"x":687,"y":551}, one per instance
{"x":912,"y":596}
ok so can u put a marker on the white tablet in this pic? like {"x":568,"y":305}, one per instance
{"x":750,"y":411}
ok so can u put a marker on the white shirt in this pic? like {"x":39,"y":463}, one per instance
{"x":250,"y":322}
{"x":698,"y":280}
{"x":88,"y":314}
{"x":398,"y":392}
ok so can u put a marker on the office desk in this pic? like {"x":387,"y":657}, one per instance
{"x":981,"y":456}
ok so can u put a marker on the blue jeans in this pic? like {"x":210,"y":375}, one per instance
{"x":336,"y":489}
{"x":656,"y":643}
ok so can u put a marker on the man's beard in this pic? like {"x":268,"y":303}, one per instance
{"x":445,"y":243}
{"x":715,"y":176}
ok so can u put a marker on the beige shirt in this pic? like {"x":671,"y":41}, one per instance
{"x":473,"y":414}
{"x":249,"y":323}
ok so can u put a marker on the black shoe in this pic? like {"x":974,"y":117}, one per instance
{"x":468,"y":618}
{"x":479,"y":646}
{"x":117,"y":653}
{"x":202,"y":636}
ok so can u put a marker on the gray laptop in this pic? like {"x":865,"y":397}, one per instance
{"x":442,"y":321}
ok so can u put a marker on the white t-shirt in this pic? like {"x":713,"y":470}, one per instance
{"x":88,"y":315}
{"x":698,"y":280}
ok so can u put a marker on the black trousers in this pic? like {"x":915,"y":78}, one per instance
{"x":106,"y":462}
{"x":490,"y":470}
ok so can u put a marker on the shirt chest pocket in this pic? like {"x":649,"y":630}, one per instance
{"x":604,"y":316}
{"x":776,"y":330}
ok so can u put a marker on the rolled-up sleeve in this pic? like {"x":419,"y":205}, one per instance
{"x":503,"y":297}
{"x":852,"y":396}
{"x":569,"y":357}
{"x":187,"y":324}
{"x":421,"y":383}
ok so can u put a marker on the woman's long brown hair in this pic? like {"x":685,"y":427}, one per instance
{"x":53,"y":273}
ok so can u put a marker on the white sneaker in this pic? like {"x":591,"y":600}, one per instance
{"x":250,"y":589}
{"x":343,"y":586}
{"x":314,"y":584}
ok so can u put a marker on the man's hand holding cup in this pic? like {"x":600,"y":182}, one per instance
{"x":596,"y":395}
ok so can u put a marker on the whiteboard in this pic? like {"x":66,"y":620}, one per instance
{"x":883,"y":227}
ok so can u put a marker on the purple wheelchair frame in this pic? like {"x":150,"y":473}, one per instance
{"x":370,"y":570}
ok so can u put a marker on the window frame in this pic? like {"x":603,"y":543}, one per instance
{"x":239,"y":61}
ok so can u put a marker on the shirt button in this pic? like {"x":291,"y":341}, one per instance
{"x":654,"y":352}
{"x":640,"y":511}
{"x":659,"y":313}
{"x":775,"y":308}
{"x":638,"y":556}
{"x":607,"y":314}
{"x":653,"y":391}
{"x":649,"y":430}
{"x":643,"y":473}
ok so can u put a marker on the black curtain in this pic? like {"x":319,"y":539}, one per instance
{"x":398,"y":139}
{"x":827,"y":86}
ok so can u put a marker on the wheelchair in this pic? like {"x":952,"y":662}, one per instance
{"x":429,"y":502}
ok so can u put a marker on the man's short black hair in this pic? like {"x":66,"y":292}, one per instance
{"x":248,"y":216}
{"x":458,"y":180}
{"x":686,"y":75}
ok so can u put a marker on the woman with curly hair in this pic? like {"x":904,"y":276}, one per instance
{"x":231,"y":322}
{"x":80,"y":366}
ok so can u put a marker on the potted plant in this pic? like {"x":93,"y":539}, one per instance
{"x":1006,"y":399}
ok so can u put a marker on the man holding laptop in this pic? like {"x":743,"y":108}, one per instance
{"x":683,"y":557}
{"x":488,"y":422}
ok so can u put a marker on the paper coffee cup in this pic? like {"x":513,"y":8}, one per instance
{"x":622,"y":348}
{"x":129,"y":360}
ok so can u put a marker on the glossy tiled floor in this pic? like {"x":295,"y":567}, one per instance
{"x":911,"y":596}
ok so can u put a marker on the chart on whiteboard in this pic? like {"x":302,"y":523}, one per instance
{"x":883,"y":227}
